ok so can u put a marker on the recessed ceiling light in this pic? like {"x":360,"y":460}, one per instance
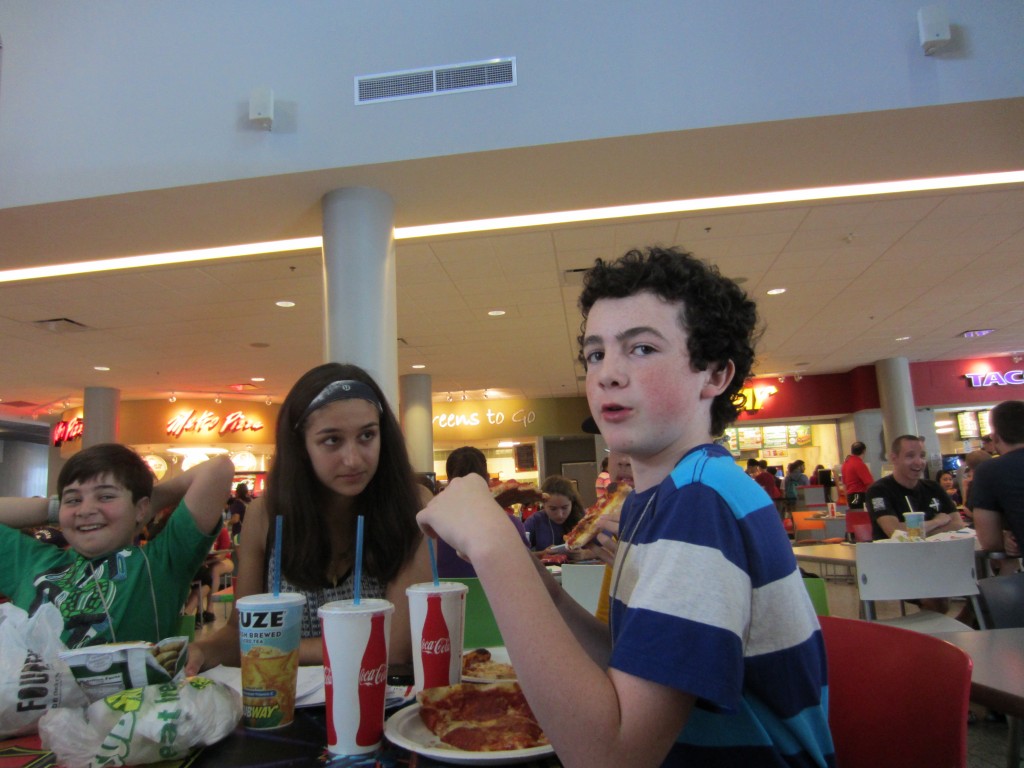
{"x":100,"y":368}
{"x":977,"y":333}
{"x":496,"y":312}
{"x":259,"y":345}
{"x":776,"y":291}
{"x":943,"y":430}
{"x":285,"y":304}
{"x":902,"y":338}
{"x":419,"y":366}
{"x":258,"y":378}
{"x":944,"y":423}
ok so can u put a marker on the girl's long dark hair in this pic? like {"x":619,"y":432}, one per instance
{"x":389,"y":503}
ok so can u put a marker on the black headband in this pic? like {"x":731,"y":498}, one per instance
{"x":348,"y":389}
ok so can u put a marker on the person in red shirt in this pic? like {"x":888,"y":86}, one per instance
{"x":856,"y":476}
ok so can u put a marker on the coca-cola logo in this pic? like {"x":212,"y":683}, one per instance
{"x":376,"y":676}
{"x":437,"y":646}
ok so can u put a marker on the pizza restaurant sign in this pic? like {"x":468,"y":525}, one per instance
{"x":66,"y":431}
{"x":205,"y":422}
{"x":994,"y":378}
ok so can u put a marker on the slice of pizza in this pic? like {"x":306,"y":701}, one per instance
{"x":481,"y":718}
{"x":512,"y":492}
{"x":478,"y":664}
{"x":587,"y":528}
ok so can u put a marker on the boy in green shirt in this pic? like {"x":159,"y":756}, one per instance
{"x":107,"y":588}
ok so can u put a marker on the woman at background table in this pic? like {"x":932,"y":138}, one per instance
{"x":945,"y":479}
{"x":561,"y":510}
{"x":339,"y":454}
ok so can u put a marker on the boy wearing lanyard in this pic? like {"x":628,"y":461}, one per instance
{"x":713,"y":655}
{"x":107,"y":588}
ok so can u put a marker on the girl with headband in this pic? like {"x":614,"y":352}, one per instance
{"x":339,"y":454}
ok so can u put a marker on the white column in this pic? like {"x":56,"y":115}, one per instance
{"x":101,"y":414}
{"x":417,"y":413}
{"x":361,"y":319}
{"x":897,"y":398}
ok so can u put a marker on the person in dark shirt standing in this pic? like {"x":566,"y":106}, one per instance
{"x":998,"y":488}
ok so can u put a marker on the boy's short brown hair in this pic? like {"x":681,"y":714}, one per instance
{"x":120,"y":462}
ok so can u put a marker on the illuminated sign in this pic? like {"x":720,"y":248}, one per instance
{"x":754,"y":398}
{"x":208,"y":421}
{"x":473,"y":419}
{"x":66,"y":431}
{"x":994,"y":378}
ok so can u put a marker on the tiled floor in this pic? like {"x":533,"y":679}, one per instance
{"x":986,"y":741}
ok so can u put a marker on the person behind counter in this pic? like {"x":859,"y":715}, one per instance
{"x":108,"y":589}
{"x":562,"y":509}
{"x":679,"y":677}
{"x":339,"y":454}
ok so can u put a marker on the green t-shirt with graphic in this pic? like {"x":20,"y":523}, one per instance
{"x":137,"y":590}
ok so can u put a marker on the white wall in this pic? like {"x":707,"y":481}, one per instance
{"x":114,"y":96}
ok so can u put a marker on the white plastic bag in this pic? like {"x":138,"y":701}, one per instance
{"x":142,"y":725}
{"x":32,"y":677}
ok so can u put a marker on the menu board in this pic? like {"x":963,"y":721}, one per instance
{"x":731,"y":441}
{"x":750,"y":438}
{"x":799,"y":436}
{"x":984,"y":427}
{"x":776,"y":437}
{"x":967,"y":424}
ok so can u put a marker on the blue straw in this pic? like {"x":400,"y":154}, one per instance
{"x":359,"y":560}
{"x":277,"y":555}
{"x":433,"y":561}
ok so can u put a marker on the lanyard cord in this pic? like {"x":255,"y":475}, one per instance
{"x":106,"y":605}
{"x":620,"y":563}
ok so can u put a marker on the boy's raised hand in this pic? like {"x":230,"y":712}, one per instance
{"x":466,"y":515}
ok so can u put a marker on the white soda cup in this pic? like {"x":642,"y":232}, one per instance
{"x":355,"y":639}
{"x":437,"y":616}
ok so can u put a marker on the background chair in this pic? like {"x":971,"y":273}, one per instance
{"x":481,"y":630}
{"x":915,"y":570}
{"x":878,"y":677}
{"x":815,"y":586}
{"x":858,"y":524}
{"x":583,"y":584}
{"x":1002,"y":600}
{"x":805,"y":528}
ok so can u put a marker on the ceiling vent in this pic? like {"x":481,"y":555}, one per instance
{"x":60,"y":325}
{"x":243,"y":387}
{"x":432,"y":81}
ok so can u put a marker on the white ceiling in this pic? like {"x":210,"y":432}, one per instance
{"x":859,"y":273}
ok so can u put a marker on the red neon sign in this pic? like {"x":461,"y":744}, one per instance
{"x":208,"y":421}
{"x":66,"y":431}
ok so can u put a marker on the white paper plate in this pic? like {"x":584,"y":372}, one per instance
{"x":405,"y":729}
{"x":498,"y":654}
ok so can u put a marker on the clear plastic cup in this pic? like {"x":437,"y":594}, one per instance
{"x":355,"y":639}
{"x":269,"y":629}
{"x":915,"y":525}
{"x":437,"y":618}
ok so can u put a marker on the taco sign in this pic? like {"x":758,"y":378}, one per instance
{"x":995,"y":379}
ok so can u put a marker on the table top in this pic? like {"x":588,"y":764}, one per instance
{"x":997,"y":680}
{"x":836,"y":554}
{"x":300,"y":744}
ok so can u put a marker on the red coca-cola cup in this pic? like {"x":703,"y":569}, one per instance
{"x":355,"y":639}
{"x":437,"y":615}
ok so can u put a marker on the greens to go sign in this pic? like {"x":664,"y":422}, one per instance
{"x":473,"y":419}
{"x":994,"y":378}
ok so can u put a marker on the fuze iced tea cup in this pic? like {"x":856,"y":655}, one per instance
{"x":915,"y":525}
{"x":355,"y":639}
{"x":437,"y":616}
{"x":269,"y":630}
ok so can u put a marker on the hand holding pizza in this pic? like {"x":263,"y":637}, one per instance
{"x":466,"y":516}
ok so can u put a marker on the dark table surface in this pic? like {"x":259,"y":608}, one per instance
{"x":997,"y":680}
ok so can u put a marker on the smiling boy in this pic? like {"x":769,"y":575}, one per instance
{"x":106,"y":588}
{"x":713,"y":656}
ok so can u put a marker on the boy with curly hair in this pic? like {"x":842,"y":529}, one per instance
{"x":713,"y":655}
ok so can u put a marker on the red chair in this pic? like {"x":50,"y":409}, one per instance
{"x":896,"y":698}
{"x":858,"y":524}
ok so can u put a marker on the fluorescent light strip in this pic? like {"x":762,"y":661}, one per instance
{"x":161,"y":259}
{"x":530,"y":220}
